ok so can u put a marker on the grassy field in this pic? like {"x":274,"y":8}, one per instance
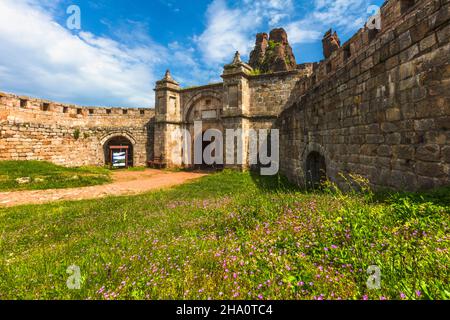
{"x":39,"y":175}
{"x":229,"y":236}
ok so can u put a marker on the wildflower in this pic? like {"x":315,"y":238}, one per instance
{"x":260,"y":297}
{"x":402,"y":295}
{"x":333,"y":246}
{"x":365,"y":297}
{"x":418,"y":293}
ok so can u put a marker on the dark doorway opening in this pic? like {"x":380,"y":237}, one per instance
{"x":204,"y":166}
{"x":316,"y":170}
{"x":117,"y":147}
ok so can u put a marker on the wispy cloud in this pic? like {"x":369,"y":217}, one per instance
{"x":345,"y":15}
{"x":39,"y":55}
{"x":228,"y":29}
{"x":232,"y":27}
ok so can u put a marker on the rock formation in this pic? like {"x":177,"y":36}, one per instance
{"x":330,"y":43}
{"x":272,"y":53}
{"x":257,"y":55}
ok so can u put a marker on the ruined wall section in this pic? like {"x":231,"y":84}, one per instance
{"x":271,"y":93}
{"x":69,"y":135}
{"x":380,"y":105}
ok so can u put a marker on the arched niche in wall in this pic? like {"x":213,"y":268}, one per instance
{"x":205,"y":105}
{"x":315,"y":165}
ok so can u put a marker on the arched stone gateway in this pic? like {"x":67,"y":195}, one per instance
{"x":122,"y":143}
{"x":316,"y":170}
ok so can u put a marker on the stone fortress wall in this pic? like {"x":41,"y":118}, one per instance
{"x":35,"y":129}
{"x":377,"y":106}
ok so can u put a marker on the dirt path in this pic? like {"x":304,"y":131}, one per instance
{"x":124,"y":183}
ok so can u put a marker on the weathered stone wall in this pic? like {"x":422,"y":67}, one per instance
{"x":380,"y":105}
{"x":34,"y":129}
{"x":272,"y":93}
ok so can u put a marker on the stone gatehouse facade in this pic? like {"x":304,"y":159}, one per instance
{"x":377,"y":106}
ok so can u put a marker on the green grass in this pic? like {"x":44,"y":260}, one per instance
{"x":229,"y":236}
{"x":44,"y":175}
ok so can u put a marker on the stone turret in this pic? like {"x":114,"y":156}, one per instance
{"x":330,"y":43}
{"x":167,"y":104}
{"x":167,"y":118}
{"x":272,"y":53}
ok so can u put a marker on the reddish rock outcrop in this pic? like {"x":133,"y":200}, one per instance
{"x":257,"y":55}
{"x":273,"y":54}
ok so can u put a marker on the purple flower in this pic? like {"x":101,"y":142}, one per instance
{"x":365,"y":297}
{"x":402,"y":295}
{"x":418,"y":293}
{"x":260,"y":297}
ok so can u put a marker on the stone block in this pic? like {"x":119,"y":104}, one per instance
{"x":429,"y":152}
{"x":430,"y":169}
{"x":428,"y":42}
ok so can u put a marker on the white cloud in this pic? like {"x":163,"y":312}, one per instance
{"x":231,"y":29}
{"x":41,"y":58}
{"x":346,"y":15}
{"x":299,"y":35}
{"x":227,"y":31}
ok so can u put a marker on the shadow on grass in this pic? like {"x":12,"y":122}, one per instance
{"x":439,"y":196}
{"x":274,"y":183}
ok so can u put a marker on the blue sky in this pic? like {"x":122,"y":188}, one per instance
{"x":124,"y":46}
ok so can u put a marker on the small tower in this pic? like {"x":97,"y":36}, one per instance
{"x":168,"y":118}
{"x":236,"y":107}
{"x":167,"y":99}
{"x":237,"y":91}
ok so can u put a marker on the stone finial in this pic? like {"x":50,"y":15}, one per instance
{"x":237,"y":65}
{"x":237,"y":58}
{"x":330,"y":43}
{"x":167,"y":80}
{"x":168,"y":76}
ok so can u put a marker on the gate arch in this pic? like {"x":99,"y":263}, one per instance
{"x":118,"y":139}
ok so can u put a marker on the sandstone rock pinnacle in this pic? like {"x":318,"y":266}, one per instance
{"x":272,"y":53}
